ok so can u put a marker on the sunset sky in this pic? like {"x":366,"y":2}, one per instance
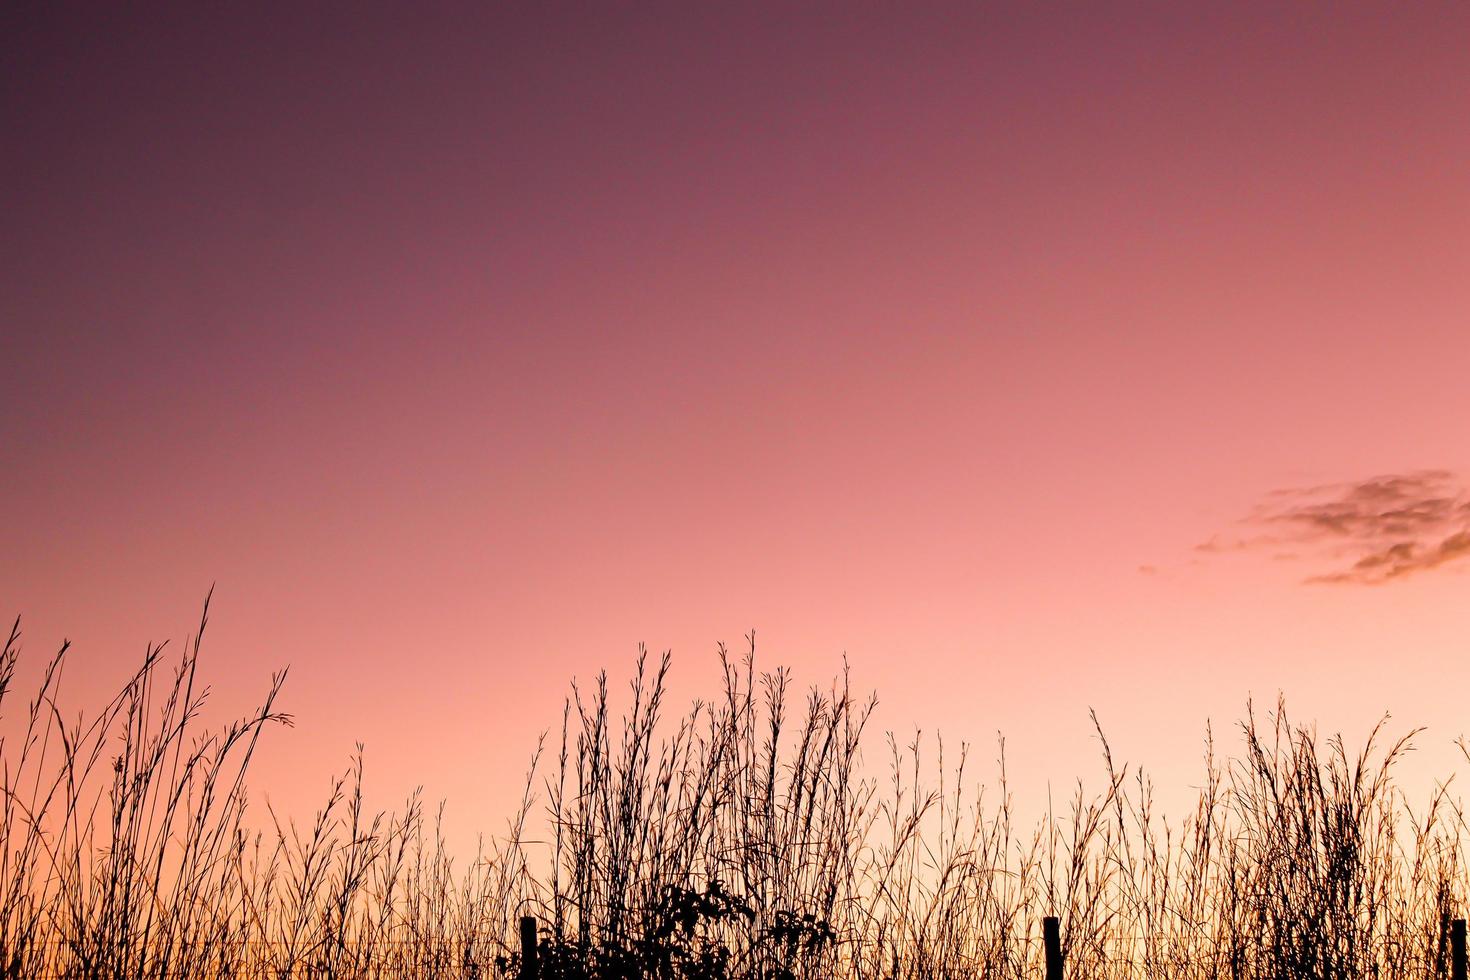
{"x":1035,"y":357}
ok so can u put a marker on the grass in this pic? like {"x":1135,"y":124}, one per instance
{"x":743,"y":838}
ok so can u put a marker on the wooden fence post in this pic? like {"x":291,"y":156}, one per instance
{"x":1457,"y":950}
{"x":1051,"y":933}
{"x":530,"y":969}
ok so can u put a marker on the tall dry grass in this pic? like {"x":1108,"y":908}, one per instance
{"x":745,"y":837}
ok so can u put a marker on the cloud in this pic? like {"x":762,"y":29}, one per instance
{"x":1376,"y":530}
{"x":1399,"y":560}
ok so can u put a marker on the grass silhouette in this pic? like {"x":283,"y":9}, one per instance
{"x":743,"y":839}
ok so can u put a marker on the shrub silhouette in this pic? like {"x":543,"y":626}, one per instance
{"x":678,"y":945}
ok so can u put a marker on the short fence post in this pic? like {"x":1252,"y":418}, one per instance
{"x":1457,"y":950}
{"x":530,"y":969}
{"x":1051,"y":934}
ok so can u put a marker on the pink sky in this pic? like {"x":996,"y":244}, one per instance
{"x":467,"y":350}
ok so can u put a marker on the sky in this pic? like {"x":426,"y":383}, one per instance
{"x":1034,"y":358}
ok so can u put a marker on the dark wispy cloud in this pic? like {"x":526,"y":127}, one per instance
{"x":1373,"y":531}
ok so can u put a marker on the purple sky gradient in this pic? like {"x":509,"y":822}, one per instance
{"x":466,"y":348}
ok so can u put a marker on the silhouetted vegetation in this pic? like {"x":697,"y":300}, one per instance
{"x":743,"y":839}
